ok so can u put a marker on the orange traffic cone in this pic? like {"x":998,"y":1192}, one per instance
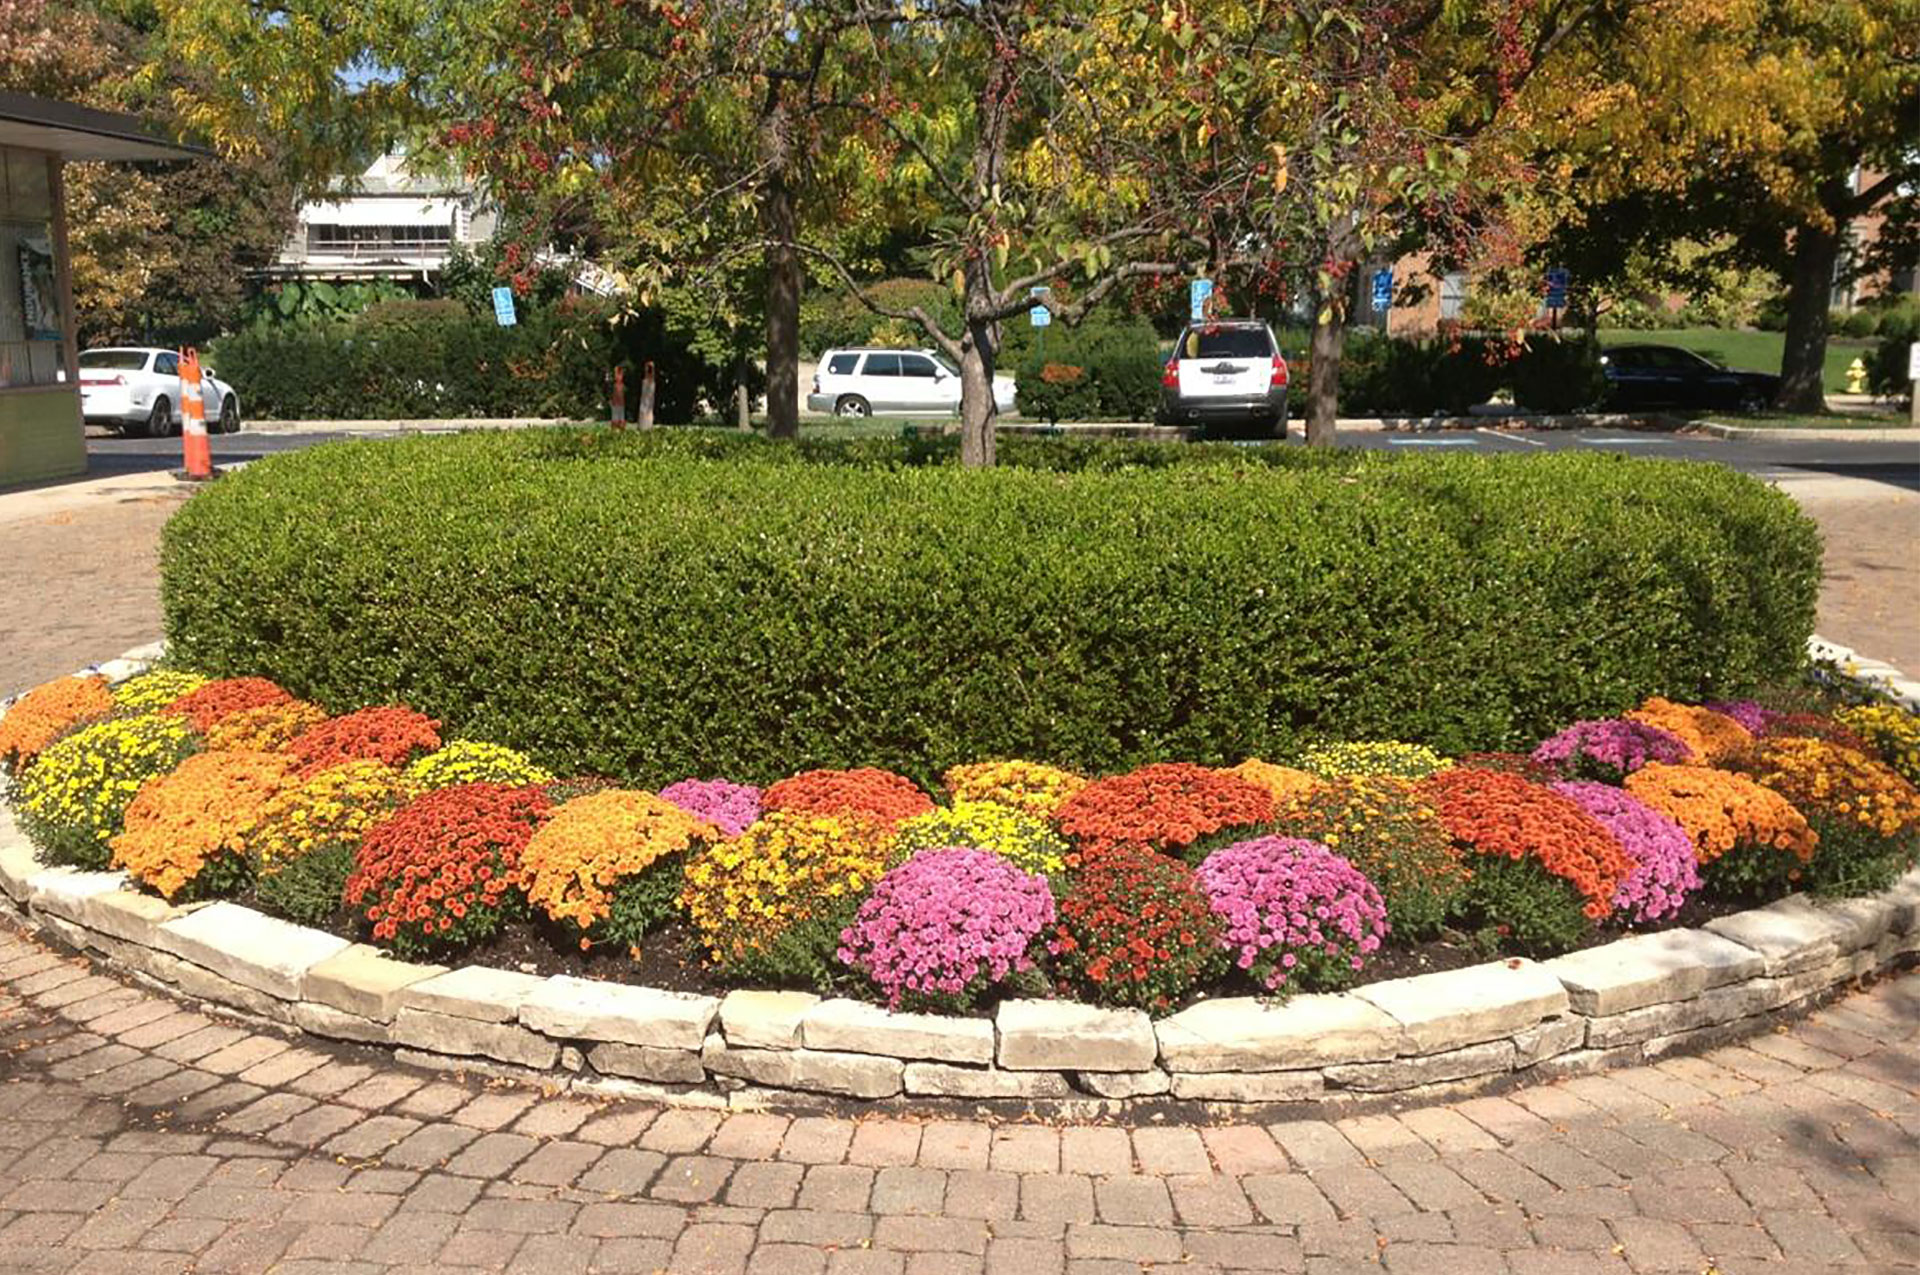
{"x":193,"y":418}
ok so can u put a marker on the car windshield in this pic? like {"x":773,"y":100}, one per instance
{"x":1228,"y":343}
{"x":114,"y":360}
{"x":943,"y":365}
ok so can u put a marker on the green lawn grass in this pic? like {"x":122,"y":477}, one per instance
{"x":1753,"y":351}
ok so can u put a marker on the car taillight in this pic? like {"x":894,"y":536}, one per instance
{"x":1279,"y":378}
{"x":1170,"y":375}
{"x":816,"y":382}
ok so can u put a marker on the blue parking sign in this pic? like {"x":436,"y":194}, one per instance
{"x":503,"y":307}
{"x":1198,"y":293}
{"x":1557,"y":280}
{"x":1039,"y":315}
{"x":1382,"y":289}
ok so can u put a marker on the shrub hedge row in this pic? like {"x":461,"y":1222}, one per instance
{"x":620,"y":603}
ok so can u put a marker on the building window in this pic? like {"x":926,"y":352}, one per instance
{"x":336,"y":240}
{"x":31,"y":326}
{"x":1453,"y":294}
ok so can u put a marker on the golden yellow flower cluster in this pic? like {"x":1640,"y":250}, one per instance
{"x":1711,"y":737}
{"x":1284,"y":782}
{"x":49,"y":711}
{"x":334,"y":807}
{"x":1893,"y":731}
{"x":181,"y":823}
{"x":1816,"y":774}
{"x":1025,"y":785}
{"x":1022,"y":838}
{"x":579,"y":857}
{"x":743,"y":894}
{"x":73,"y":797}
{"x":151,"y":691}
{"x":467,"y":761}
{"x":267,"y":729}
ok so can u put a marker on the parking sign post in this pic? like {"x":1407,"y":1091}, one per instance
{"x":1913,"y":382}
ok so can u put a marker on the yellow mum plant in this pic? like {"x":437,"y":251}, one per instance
{"x":1893,"y":731}
{"x":73,"y":798}
{"x":467,"y":761}
{"x":609,"y":864}
{"x":770,"y":903}
{"x":1024,"y":785}
{"x":151,"y":691}
{"x":302,"y":839}
{"x":1022,"y":838}
{"x":184,"y":829}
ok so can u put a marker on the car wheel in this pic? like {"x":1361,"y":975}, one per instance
{"x":1753,"y":402}
{"x":852,"y":405}
{"x":230,"y":416}
{"x":159,"y":422}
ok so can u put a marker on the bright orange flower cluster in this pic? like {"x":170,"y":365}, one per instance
{"x":437,"y":873}
{"x":216,"y":701}
{"x":49,"y":711}
{"x":266,"y":729}
{"x":392,"y":735}
{"x":181,"y":823}
{"x":1025,"y":785}
{"x":1283,"y":783}
{"x":573,"y":864}
{"x":1723,"y":811}
{"x":868,"y":791}
{"x":1164,"y":807}
{"x":1816,"y":774}
{"x":1711,"y":737}
{"x":1134,"y":928}
{"x":1496,"y":813}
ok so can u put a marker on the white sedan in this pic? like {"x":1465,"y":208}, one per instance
{"x":137,"y":391}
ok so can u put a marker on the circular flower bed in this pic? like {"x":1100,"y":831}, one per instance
{"x":1028,"y":877}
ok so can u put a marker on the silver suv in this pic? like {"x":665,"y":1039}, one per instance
{"x":1227,"y":376}
{"x":866,"y":382}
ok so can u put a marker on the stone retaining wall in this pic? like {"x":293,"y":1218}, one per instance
{"x":1608,"y":1006}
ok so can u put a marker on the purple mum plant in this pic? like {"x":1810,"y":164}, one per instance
{"x":1666,"y":865}
{"x":730,"y":807}
{"x":1610,"y":748}
{"x":1294,"y":911}
{"x":946,"y":925}
{"x":1749,"y":713}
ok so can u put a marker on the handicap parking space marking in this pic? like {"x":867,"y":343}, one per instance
{"x":1504,"y":437}
{"x":1637,"y":441}
{"x":1432,"y":442}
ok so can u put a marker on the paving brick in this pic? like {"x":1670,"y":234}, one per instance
{"x":817,"y":1140}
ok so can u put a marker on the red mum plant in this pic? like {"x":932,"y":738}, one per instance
{"x":1134,"y":928}
{"x":391,"y":735}
{"x":1492,"y":813}
{"x":877,"y":794}
{"x":216,"y":701}
{"x":1173,"y":807}
{"x":437,"y":874}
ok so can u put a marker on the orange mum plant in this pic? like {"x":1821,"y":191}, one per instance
{"x":1733,"y":821}
{"x":266,"y":729}
{"x":1711,"y":737}
{"x":1283,"y":783}
{"x":213,"y":702}
{"x":49,"y":711}
{"x":868,"y":792}
{"x":610,"y":864}
{"x":185,"y":830}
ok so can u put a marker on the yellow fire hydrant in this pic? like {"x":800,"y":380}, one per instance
{"x":1857,"y":376}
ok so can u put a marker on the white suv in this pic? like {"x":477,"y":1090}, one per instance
{"x":1226,"y":376}
{"x":893,"y":383}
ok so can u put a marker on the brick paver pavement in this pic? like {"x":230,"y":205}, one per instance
{"x":139,"y":1135}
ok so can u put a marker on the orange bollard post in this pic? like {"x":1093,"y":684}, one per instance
{"x":619,"y":398}
{"x":193,"y":418}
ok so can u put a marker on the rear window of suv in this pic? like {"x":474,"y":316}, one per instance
{"x":842,"y":364}
{"x":1227,"y":343}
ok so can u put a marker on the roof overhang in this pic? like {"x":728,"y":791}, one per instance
{"x":80,"y":132}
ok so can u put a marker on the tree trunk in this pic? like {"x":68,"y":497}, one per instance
{"x":1323,"y":376}
{"x":1803,"y":361}
{"x":783,"y":274}
{"x":978,"y":410}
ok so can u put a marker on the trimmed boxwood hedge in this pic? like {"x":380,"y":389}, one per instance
{"x":628,"y":606}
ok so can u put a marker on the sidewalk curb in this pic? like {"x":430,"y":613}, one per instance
{"x":1861,"y":434}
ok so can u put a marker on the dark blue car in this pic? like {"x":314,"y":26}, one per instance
{"x":1667,"y":376}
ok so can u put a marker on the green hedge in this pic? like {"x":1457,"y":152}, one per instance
{"x":1098,"y":372}
{"x":619,"y":605}
{"x":1397,"y":376}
